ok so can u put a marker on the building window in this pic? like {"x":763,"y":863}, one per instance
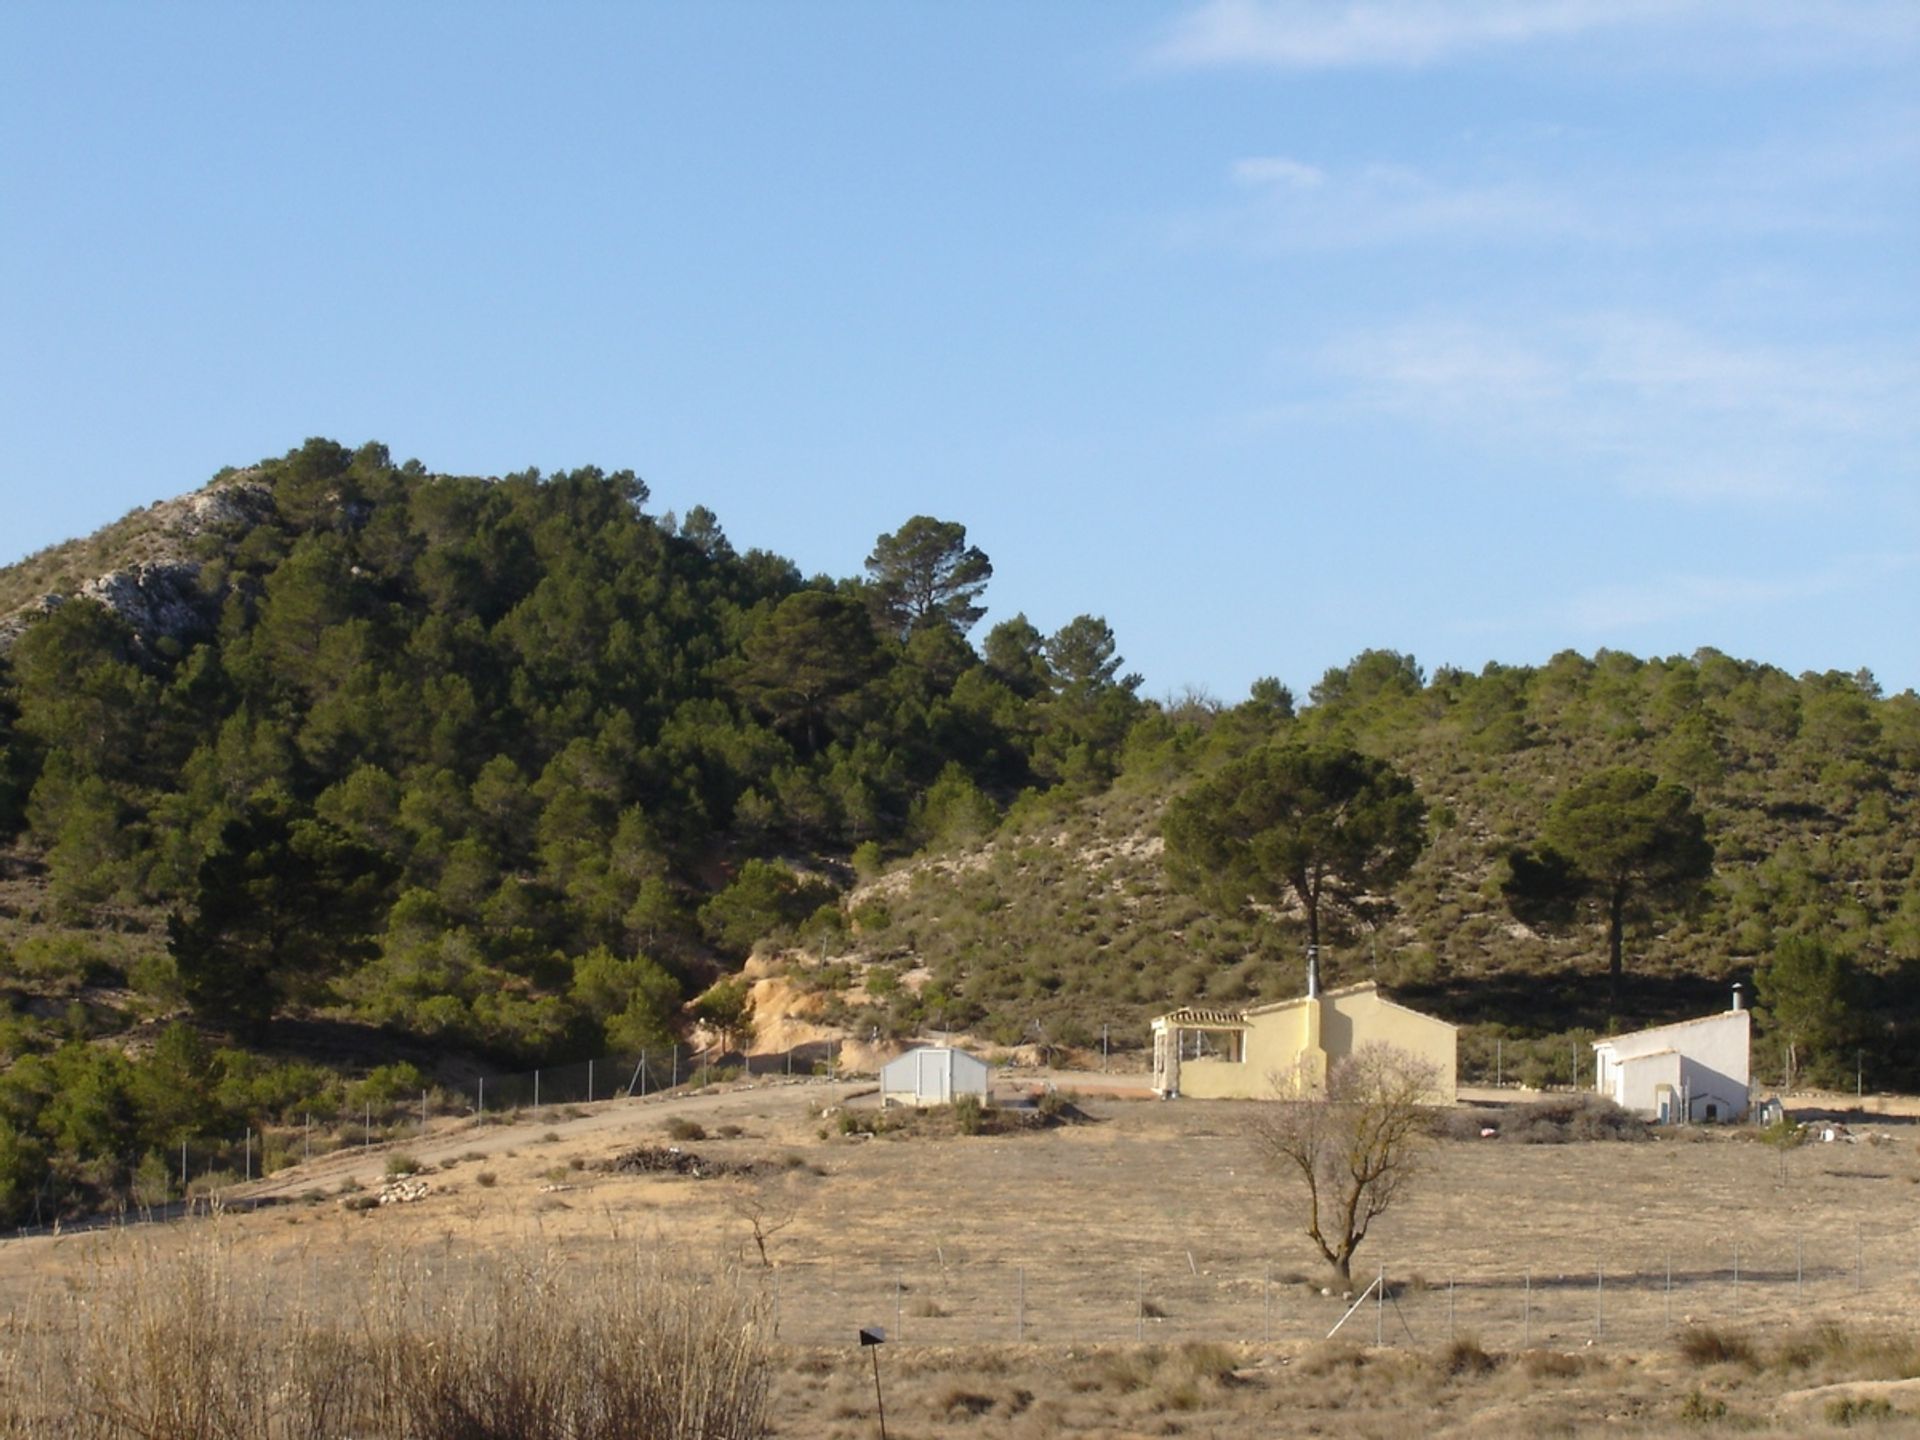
{"x":1227,"y":1045}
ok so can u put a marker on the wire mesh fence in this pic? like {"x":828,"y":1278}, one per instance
{"x":202,"y":1169}
{"x":641,"y":1073}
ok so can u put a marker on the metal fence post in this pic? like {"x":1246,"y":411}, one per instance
{"x":1526,"y":1312}
{"x":1266,"y":1301}
{"x":589,"y":1082}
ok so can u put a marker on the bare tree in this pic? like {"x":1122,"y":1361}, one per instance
{"x":767,"y":1205}
{"x":1353,"y":1149}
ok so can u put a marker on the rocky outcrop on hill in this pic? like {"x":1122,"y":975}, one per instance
{"x":144,"y":568}
{"x":155,"y":600}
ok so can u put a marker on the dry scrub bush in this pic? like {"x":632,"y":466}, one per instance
{"x":177,"y":1339}
{"x":160,"y":1340}
{"x":1340,"y":1373}
{"x":1332,"y":1357}
{"x":1700,"y":1408}
{"x":1847,"y":1410}
{"x":1175,"y":1378}
{"x":1550,"y":1120}
{"x":1465,"y":1357}
{"x":1704,"y":1345}
{"x":1839,"y":1353}
{"x":959,"y":1403}
{"x":542,"y":1352}
{"x":1551,"y":1365}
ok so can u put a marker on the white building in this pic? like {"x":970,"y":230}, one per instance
{"x":1690,"y":1070}
{"x":933,"y":1075}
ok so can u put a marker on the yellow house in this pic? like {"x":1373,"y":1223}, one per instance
{"x":1240,"y":1054}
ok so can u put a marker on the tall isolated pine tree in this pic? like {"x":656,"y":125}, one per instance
{"x":925,"y":573}
{"x":1621,"y":843}
{"x":1323,"y":826}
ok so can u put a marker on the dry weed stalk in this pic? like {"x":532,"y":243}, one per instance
{"x":181,"y":1339}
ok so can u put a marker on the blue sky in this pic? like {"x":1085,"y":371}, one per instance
{"x":1270,"y":331}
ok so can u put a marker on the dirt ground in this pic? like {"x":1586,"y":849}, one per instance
{"x":1136,"y":1273}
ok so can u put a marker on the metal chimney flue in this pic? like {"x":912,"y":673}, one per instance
{"x":1313,"y":972}
{"x":1739,"y":996}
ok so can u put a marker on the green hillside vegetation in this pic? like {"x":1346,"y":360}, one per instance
{"x":508,"y":767}
{"x":513,"y":769}
{"x":1807,"y":788}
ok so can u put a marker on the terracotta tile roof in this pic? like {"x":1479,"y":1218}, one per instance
{"x":1199,"y":1015}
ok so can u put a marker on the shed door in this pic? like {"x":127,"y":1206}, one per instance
{"x":937,"y":1085}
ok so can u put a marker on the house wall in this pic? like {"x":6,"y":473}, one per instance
{"x":1638,"y":1082}
{"x":1304,"y":1037}
{"x":1369,"y":1018}
{"x":1712,"y":1065}
{"x":1273,"y":1046}
{"x":1705,"y":1087}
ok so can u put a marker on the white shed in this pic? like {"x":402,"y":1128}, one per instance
{"x":1692,"y":1070}
{"x":932,"y":1075}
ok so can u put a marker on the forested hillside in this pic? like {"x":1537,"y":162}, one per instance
{"x":1808,"y":790}
{"x":514,"y":769}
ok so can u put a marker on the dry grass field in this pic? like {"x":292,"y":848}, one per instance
{"x":1133,"y":1273}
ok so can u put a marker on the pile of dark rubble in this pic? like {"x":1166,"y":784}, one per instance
{"x":672,"y":1160}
